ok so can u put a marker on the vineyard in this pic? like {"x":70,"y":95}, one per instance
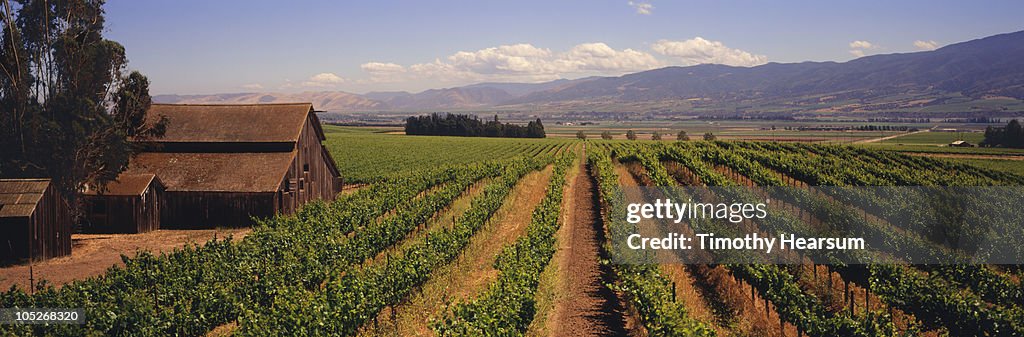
{"x":432,"y":244}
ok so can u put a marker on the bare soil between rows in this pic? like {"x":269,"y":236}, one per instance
{"x":589,"y":307}
{"x":92,"y":254}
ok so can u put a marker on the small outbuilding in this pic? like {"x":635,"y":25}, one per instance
{"x":960,"y":143}
{"x":130,"y":204}
{"x":35,"y":221}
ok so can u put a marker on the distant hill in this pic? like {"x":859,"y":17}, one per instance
{"x":980,"y":76}
{"x":991,"y":68}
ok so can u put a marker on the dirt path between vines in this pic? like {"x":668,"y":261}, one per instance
{"x":471,"y":271}
{"x":587,"y":307}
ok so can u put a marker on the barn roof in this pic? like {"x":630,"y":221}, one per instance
{"x":215,"y":172}
{"x":18,"y":197}
{"x":127,"y":184}
{"x":232,"y":123}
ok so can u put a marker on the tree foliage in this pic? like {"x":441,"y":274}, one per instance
{"x":1009,"y":136}
{"x":631,"y":135}
{"x":682,"y":135}
{"x":606,"y":135}
{"x":69,"y":112}
{"x":470,"y":126}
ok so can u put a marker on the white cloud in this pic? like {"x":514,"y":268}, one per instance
{"x":383,"y":72}
{"x":518,"y":62}
{"x":642,"y":7}
{"x":699,"y":50}
{"x":323,"y":80}
{"x":859,"y":48}
{"x":600,"y":57}
{"x":518,"y":58}
{"x":252,"y":86}
{"x":378,"y":67}
{"x":861,"y":44}
{"x":528,"y":63}
{"x":926,"y":45}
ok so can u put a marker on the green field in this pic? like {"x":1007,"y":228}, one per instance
{"x":942,"y":149}
{"x":368,"y":154}
{"x":1010,"y":166}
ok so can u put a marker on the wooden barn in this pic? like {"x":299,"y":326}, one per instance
{"x":221,"y":165}
{"x":34,"y":221}
{"x":131,"y":204}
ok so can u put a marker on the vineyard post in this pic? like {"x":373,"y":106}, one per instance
{"x":31,"y":262}
{"x":867,"y":300}
{"x":851,"y":300}
{"x":846,"y":290}
{"x":673,"y":292}
{"x":829,"y":271}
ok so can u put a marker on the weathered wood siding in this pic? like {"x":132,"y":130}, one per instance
{"x":311,"y":175}
{"x":190,"y":209}
{"x":44,"y":234}
{"x":123,"y":214}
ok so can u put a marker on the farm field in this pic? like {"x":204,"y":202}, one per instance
{"x":936,"y":149}
{"x":453,"y":236}
{"x":1011,"y":166}
{"x":370,"y":154}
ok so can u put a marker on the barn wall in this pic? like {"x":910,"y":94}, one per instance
{"x":309,"y":177}
{"x":50,"y":226}
{"x":148,"y":216}
{"x":212,"y":209}
{"x":116,"y":214}
{"x":43,"y":235}
{"x":13,"y":245}
{"x":124,"y":214}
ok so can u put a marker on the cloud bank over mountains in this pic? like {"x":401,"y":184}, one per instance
{"x":528,"y":63}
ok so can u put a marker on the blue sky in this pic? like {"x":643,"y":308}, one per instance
{"x":195,"y":47}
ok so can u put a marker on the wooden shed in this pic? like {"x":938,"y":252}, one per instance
{"x":130,"y":204}
{"x":221,"y":165}
{"x":34,"y":221}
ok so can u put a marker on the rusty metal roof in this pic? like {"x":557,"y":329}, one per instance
{"x":127,"y":184}
{"x":18,"y":197}
{"x":215,"y":172}
{"x":237,"y":123}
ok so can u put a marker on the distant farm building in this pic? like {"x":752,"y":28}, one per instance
{"x":221,"y":165}
{"x":35,"y":222}
{"x":960,"y":143}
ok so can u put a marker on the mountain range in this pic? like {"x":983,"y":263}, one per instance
{"x":982,"y":76}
